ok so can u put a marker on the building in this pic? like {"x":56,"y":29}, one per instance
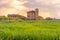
{"x":40,"y":18}
{"x":13,"y":16}
{"x":17,"y":16}
{"x":33,"y":15}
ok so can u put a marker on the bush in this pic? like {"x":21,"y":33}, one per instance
{"x":48,"y":18}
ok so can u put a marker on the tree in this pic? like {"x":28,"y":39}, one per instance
{"x":49,"y":18}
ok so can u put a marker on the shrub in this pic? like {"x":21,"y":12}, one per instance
{"x":48,"y":18}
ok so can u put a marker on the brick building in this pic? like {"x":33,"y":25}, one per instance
{"x":16,"y":16}
{"x":33,"y":15}
{"x":13,"y":15}
{"x":40,"y":18}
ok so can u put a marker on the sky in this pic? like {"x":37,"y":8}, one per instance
{"x":47,"y":8}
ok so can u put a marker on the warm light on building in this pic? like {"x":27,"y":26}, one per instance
{"x":33,"y":15}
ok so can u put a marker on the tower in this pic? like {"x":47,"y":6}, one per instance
{"x":36,"y":13}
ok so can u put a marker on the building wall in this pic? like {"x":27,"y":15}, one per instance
{"x":33,"y":15}
{"x":36,"y":13}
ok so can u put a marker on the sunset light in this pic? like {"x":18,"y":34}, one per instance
{"x":48,"y":8}
{"x":29,"y":19}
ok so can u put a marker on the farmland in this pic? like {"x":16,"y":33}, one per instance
{"x":30,"y":30}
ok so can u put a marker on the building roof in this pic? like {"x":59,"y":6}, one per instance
{"x":31,"y":11}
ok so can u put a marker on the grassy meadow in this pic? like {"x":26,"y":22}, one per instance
{"x":30,"y":30}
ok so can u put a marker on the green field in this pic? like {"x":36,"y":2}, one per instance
{"x":30,"y":30}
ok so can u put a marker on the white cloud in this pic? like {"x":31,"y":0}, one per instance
{"x":50,"y":7}
{"x":17,"y":4}
{"x":12,"y":6}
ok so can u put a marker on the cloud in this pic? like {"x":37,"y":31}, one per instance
{"x":12,"y":6}
{"x":4,"y":3}
{"x":18,"y":4}
{"x":47,"y":7}
{"x":51,"y":6}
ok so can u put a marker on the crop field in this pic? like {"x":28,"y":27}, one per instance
{"x":30,"y":30}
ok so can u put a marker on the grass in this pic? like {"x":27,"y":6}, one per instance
{"x":30,"y":30}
